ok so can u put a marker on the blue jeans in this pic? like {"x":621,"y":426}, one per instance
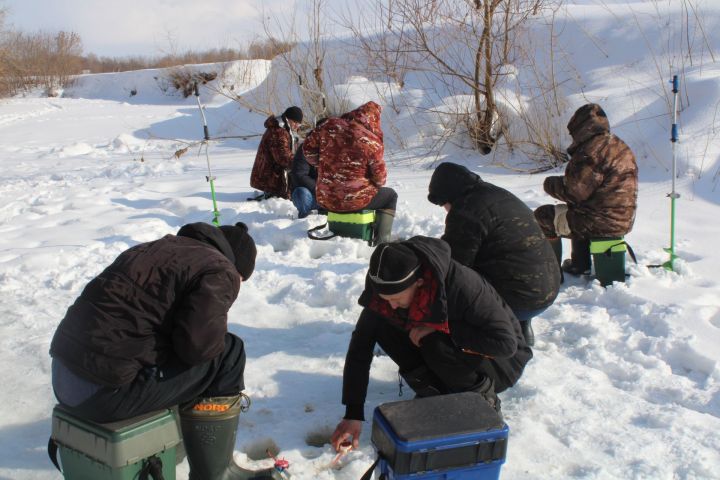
{"x":304,"y":201}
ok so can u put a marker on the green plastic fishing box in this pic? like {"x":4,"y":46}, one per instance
{"x":353,"y":225}
{"x":118,"y":450}
{"x":608,"y":256}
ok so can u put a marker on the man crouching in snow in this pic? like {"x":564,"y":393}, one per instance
{"x":150,"y":332}
{"x":443,"y":324}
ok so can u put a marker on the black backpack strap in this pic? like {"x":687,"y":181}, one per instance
{"x":152,"y":469}
{"x":631,"y":253}
{"x":311,"y":233}
{"x":368,"y":474}
{"x":52,"y":450}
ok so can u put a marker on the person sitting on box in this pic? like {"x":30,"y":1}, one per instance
{"x":441,"y":322}
{"x":150,"y":332}
{"x":348,"y":153}
{"x":493,"y":232}
{"x":275,"y":154}
{"x":599,"y":189}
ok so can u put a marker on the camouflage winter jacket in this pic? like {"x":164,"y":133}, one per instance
{"x":348,"y":153}
{"x":273,"y":159}
{"x":601,"y":180}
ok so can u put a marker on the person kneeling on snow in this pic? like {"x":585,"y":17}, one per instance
{"x":599,"y":189}
{"x":493,"y":232}
{"x":348,"y":153}
{"x":303,"y":179}
{"x":275,"y":154}
{"x":441,"y":322}
{"x":150,"y":332}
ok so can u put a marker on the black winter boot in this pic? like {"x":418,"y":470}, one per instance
{"x":209,"y":429}
{"x":486,"y":388}
{"x":579,"y":264}
{"x":423,"y":382}
{"x":383,"y":225}
{"x":556,"y":244}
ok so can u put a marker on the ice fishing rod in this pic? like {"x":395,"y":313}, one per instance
{"x":673,"y":194}
{"x":206,"y":138}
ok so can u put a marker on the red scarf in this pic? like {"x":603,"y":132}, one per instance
{"x":420,"y":307}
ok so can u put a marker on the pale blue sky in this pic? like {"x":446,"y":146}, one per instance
{"x":152,"y":27}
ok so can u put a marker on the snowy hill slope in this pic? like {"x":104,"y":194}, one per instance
{"x":625,"y":382}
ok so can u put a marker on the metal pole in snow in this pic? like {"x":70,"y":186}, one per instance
{"x":673,"y":194}
{"x":210,"y":177}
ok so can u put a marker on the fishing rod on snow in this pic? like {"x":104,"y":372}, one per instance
{"x":206,"y":138}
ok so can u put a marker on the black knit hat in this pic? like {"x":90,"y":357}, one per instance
{"x":394,"y":267}
{"x":450,"y":181}
{"x":243,"y":247}
{"x":294,"y":114}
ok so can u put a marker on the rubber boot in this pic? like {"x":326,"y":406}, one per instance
{"x":579,"y":263}
{"x":209,"y":429}
{"x":383,"y":225}
{"x":556,"y":244}
{"x":528,"y":333}
{"x":423,"y":382}
{"x":486,"y":388}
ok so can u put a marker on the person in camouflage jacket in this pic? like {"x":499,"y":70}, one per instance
{"x":599,"y":189}
{"x":275,"y":154}
{"x":348,"y":153}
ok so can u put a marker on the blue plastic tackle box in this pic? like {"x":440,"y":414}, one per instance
{"x":447,"y":437}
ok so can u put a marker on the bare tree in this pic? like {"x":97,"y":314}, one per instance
{"x":461,"y":45}
{"x":305,"y":63}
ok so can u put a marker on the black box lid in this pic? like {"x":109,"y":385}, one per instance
{"x":440,"y":416}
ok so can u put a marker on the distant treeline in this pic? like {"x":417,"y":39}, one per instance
{"x":259,"y":49}
{"x":50,"y":61}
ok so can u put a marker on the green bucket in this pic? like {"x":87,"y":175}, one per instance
{"x":608,"y":256}
{"x":352,"y":225}
{"x":115,"y":451}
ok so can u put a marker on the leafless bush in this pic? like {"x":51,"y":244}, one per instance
{"x":305,"y":63}
{"x":185,"y":80}
{"x":268,"y":48}
{"x":45,"y":60}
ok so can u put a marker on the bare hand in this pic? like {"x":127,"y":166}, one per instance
{"x":418,"y":333}
{"x":346,"y":429}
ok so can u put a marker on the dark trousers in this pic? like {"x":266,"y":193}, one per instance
{"x":385,"y":198}
{"x":454,"y":370}
{"x":169,"y":385}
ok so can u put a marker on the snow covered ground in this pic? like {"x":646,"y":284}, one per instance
{"x":625,"y":382}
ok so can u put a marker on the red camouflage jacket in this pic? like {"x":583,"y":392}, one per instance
{"x":348,"y":153}
{"x":273,"y":159}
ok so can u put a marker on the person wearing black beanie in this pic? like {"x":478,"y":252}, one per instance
{"x":243,"y":248}
{"x":492,"y":231}
{"x":442,"y":323}
{"x":150,"y":332}
{"x":275,"y":154}
{"x":293,"y":113}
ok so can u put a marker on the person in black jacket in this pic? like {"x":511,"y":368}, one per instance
{"x":443,"y":324}
{"x":150,"y":332}
{"x":303,"y":177}
{"x":492,"y":231}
